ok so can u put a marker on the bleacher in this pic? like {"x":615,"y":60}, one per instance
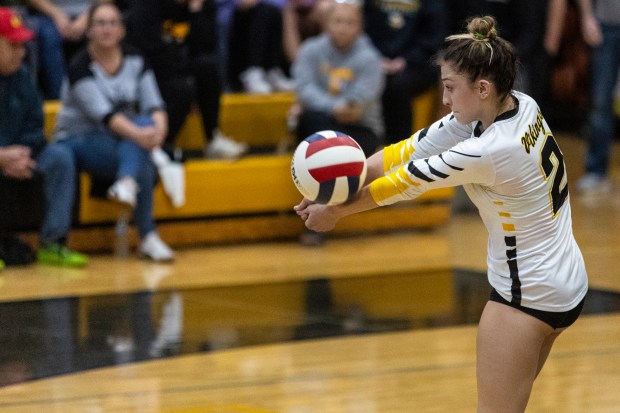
{"x":248,"y":199}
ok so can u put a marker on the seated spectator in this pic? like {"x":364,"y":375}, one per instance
{"x":109,"y":86}
{"x":407,"y":34}
{"x":339,"y":83}
{"x":255,"y":46}
{"x":24,"y":151}
{"x":59,"y":26}
{"x":178,"y":38}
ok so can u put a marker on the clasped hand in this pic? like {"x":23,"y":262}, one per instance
{"x":16,"y":162}
{"x":149,"y":137}
{"x":316,"y":217}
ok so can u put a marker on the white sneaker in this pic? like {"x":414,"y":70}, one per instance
{"x":154,"y":248}
{"x":278,"y":80}
{"x":124,"y":191}
{"x":592,"y":183}
{"x":254,"y":80}
{"x":172,"y":178}
{"x":223,"y":147}
{"x":160,"y":158}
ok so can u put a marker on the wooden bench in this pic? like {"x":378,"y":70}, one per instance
{"x":246,"y":199}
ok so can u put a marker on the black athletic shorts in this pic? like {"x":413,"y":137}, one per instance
{"x":555,"y":320}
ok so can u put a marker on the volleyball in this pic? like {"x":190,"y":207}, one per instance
{"x":328,"y":167}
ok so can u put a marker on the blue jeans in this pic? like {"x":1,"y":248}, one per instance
{"x":57,"y":164}
{"x":107,"y":157}
{"x":50,"y":54}
{"x":605,"y":61}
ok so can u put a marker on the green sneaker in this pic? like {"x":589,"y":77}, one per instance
{"x":58,"y":254}
{"x":1,"y":265}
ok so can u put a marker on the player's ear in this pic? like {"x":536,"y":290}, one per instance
{"x":484,"y":88}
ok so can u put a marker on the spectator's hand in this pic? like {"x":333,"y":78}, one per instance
{"x":391,"y":66}
{"x":148,"y":137}
{"x":62,"y":22}
{"x":246,"y":4}
{"x":349,"y":112}
{"x":77,"y":28}
{"x":15,"y":162}
{"x":591,"y":30}
{"x":194,"y":5}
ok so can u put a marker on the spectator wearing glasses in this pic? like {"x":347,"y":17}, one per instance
{"x":110,"y":90}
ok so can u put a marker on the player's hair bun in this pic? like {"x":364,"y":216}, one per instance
{"x":482,"y":28}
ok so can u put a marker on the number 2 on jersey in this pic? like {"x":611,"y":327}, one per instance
{"x":552,"y":165}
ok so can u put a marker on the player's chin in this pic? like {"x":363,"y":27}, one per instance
{"x":460,"y":118}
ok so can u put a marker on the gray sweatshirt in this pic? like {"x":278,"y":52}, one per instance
{"x":91,"y":96}
{"x":324,"y":77}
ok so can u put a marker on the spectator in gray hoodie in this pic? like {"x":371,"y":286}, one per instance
{"x":338,"y":80}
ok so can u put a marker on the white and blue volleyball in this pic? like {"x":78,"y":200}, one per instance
{"x":328,"y":167}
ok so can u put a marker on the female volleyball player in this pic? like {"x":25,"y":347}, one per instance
{"x":496,"y":144}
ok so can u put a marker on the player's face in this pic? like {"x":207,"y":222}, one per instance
{"x":460,"y":95}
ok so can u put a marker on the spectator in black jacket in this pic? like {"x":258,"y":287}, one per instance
{"x":178,"y":38}
{"x":407,"y":34}
{"x":25,"y":154}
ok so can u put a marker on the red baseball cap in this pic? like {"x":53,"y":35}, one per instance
{"x":12,"y":28}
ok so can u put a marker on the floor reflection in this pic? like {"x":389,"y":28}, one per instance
{"x":58,"y":336}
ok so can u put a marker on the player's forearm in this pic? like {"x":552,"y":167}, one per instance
{"x":363,"y":201}
{"x":374,"y":167}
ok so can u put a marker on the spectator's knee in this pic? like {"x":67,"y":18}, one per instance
{"x":58,"y":157}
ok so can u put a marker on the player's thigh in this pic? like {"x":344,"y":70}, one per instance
{"x":509,"y":344}
{"x":546,"y":348}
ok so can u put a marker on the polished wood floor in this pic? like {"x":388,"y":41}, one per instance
{"x":419,"y":370}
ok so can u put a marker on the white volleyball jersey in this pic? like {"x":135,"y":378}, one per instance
{"x":514,"y":173}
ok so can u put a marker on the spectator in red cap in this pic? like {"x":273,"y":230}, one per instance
{"x":12,"y":28}
{"x":26,"y":156}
